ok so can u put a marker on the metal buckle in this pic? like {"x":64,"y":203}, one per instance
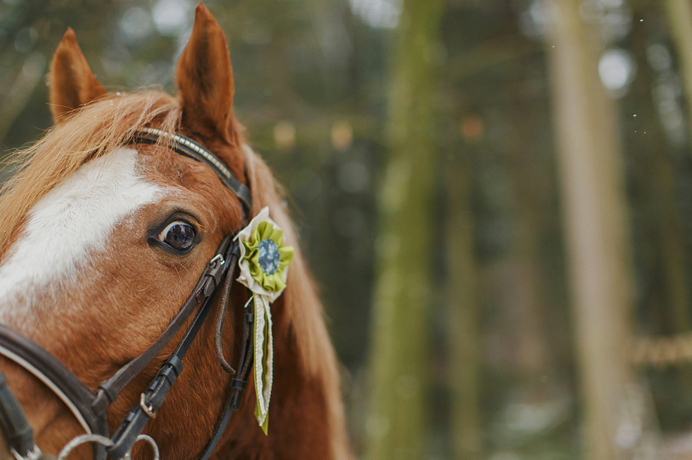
{"x":217,"y":257}
{"x":147,"y":408}
{"x":83,"y":439}
{"x":149,"y":440}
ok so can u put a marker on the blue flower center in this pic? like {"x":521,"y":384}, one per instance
{"x":269,"y":257}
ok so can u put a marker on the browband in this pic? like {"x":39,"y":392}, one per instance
{"x":187,"y":147}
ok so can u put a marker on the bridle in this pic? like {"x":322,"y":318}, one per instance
{"x":90,"y":407}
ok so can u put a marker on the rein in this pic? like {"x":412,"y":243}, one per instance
{"x":89,"y":407}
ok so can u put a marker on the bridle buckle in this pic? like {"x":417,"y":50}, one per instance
{"x":147,"y":408}
{"x":216,"y":258}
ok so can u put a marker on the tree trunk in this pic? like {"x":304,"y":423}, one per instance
{"x":463,"y":315}
{"x":595,"y":223}
{"x":398,"y":364}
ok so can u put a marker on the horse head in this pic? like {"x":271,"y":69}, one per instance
{"x":103,"y":239}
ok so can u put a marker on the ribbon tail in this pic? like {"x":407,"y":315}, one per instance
{"x":264,"y":359}
{"x":268,"y":376}
{"x":258,"y":339}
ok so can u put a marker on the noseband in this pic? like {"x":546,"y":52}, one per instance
{"x":90,"y":407}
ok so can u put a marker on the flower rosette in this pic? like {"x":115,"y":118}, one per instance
{"x":263,"y":263}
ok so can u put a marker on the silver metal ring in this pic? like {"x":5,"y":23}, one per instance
{"x":149,"y":440}
{"x":83,"y":439}
{"x":147,"y":408}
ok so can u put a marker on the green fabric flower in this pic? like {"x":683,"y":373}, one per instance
{"x":267,"y":257}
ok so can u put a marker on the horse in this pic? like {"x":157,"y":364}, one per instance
{"x":102,"y":239}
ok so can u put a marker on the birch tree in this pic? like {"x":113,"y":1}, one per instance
{"x":595,"y":224}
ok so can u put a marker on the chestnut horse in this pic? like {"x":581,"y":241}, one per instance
{"x":80,"y":276}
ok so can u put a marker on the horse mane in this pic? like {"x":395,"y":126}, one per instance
{"x":92,"y":131}
{"x":303,"y":316}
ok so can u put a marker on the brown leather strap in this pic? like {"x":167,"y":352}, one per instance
{"x":218,"y":327}
{"x":238,"y":385}
{"x":111,"y":388}
{"x":24,"y":349}
{"x":92,"y":406}
{"x":155,"y":395}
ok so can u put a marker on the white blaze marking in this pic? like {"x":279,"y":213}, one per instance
{"x":71,"y":223}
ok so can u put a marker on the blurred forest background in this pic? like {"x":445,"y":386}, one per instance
{"x":495,"y":197}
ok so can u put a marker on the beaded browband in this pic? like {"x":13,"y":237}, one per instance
{"x":186,"y":147}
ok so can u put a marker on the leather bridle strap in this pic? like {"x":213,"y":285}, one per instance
{"x":88,"y":407}
{"x":152,"y":399}
{"x":238,"y":385}
{"x":208,"y":282}
{"x":154,"y":396}
{"x":61,"y":381}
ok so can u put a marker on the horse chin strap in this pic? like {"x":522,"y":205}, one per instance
{"x":88,"y":407}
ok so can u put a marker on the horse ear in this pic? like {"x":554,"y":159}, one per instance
{"x":205,"y":79}
{"x":71,"y":82}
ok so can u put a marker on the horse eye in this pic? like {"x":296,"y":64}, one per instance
{"x":179,"y":235}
